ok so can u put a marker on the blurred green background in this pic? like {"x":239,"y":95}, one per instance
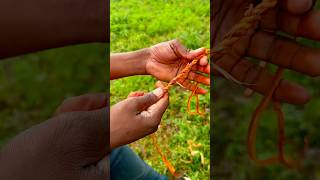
{"x":230,"y":126}
{"x":138,"y":24}
{"x":34,"y":85}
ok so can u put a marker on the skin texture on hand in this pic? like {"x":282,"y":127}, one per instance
{"x":167,"y":59}
{"x":70,"y":146}
{"x":294,"y":17}
{"x":137,"y":116}
{"x":163,"y":61}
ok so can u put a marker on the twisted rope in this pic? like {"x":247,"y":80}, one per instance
{"x":251,"y":17}
{"x":181,"y":77}
{"x":183,"y":74}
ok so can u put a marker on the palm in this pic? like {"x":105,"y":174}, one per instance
{"x":167,"y":59}
{"x":164,"y":64}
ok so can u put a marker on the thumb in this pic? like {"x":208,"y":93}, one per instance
{"x":158,"y":109}
{"x":85,"y":102}
{"x":145,"y":101}
{"x":153,"y":115}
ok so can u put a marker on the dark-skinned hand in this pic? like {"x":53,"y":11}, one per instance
{"x":167,"y":59}
{"x":137,"y":116}
{"x":72,"y":145}
{"x":293,"y":17}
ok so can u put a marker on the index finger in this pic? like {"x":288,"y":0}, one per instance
{"x":306,"y":25}
{"x":159,"y":107}
{"x":297,"y":6}
{"x":285,"y":52}
{"x":260,"y":80}
{"x":191,"y":55}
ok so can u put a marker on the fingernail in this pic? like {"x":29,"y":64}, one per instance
{"x":158,"y":92}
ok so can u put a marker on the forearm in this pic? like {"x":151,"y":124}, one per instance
{"x":29,"y":26}
{"x":128,"y":64}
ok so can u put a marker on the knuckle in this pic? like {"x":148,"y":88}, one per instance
{"x":151,"y":98}
{"x":175,"y":41}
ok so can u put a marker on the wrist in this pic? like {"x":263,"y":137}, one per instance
{"x":129,"y":63}
{"x":139,"y":61}
{"x":146,"y":53}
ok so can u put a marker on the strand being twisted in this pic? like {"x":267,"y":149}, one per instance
{"x":251,"y":17}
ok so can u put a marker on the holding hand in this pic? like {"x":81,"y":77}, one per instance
{"x":293,"y":17}
{"x":163,"y":61}
{"x":72,"y":145}
{"x":137,"y":116}
{"x":167,"y":59}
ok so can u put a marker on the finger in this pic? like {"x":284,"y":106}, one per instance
{"x":96,"y":171}
{"x":145,"y":101}
{"x":307,"y":25}
{"x":159,"y":84}
{"x":297,"y":7}
{"x":160,"y":107}
{"x":85,"y":102}
{"x":203,"y":61}
{"x":202,"y":69}
{"x":156,"y":111}
{"x":199,"y":78}
{"x":261,"y":80}
{"x":92,"y":136}
{"x":196,"y":53}
{"x":285,"y":53}
{"x":191,"y":86}
{"x":181,"y":51}
{"x":86,"y":132}
{"x":136,"y":94}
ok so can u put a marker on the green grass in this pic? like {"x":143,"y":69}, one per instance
{"x":33,"y":86}
{"x":138,"y":24}
{"x":232,"y":115}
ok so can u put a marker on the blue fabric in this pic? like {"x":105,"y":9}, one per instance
{"x":126,"y":165}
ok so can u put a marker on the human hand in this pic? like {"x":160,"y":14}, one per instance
{"x":72,"y":145}
{"x":137,"y":116}
{"x":294,"y":17}
{"x":167,"y":59}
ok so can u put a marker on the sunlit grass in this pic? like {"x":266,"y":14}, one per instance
{"x":138,"y":24}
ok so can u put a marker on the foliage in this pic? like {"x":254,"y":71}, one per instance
{"x":138,"y":24}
